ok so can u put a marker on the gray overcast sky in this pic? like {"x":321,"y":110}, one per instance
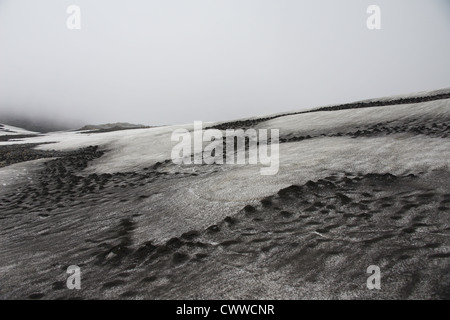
{"x":176,"y":61}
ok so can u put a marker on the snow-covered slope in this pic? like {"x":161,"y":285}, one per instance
{"x":132,"y":150}
{"x":430,"y":93}
{"x":354,"y":187}
{"x":10,"y":130}
{"x":350,"y":119}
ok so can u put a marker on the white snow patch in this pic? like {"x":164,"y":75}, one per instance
{"x":7,"y":130}
{"x":319,"y":122}
{"x":315,"y":158}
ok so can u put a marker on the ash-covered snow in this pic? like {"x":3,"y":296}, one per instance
{"x":353,"y":185}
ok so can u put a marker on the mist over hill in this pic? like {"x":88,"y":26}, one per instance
{"x":38,"y":123}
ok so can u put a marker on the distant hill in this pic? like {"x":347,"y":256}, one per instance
{"x":108,"y":127}
{"x":37,"y":124}
{"x":123,"y":125}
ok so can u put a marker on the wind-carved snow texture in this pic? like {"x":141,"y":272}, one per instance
{"x":356,"y":187}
